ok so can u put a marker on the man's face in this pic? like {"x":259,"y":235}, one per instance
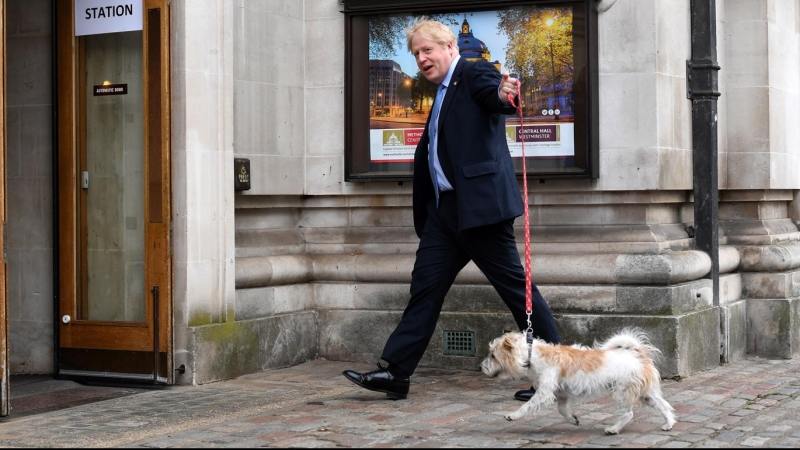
{"x":432,"y":59}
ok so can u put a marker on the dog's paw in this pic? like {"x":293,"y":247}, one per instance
{"x":512,"y":416}
{"x":611,"y":431}
{"x":576,"y":422}
{"x":667,"y":426}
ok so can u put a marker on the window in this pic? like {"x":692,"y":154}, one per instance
{"x":550,"y":46}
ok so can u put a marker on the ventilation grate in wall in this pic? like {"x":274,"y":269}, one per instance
{"x":459,"y":343}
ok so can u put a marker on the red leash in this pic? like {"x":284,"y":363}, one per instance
{"x":528,"y":293}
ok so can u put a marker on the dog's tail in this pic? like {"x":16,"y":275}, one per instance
{"x":632,"y":339}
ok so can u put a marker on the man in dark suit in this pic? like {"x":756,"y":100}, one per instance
{"x":466,"y":197}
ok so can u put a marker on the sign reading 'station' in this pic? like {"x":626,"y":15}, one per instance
{"x":107,"y":16}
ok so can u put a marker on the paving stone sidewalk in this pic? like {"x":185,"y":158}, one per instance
{"x":750,"y":403}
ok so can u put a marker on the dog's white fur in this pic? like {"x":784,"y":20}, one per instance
{"x":621,"y":367}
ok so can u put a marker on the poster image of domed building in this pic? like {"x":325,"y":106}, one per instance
{"x":532,"y":43}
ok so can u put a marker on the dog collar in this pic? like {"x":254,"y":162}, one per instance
{"x":529,"y":338}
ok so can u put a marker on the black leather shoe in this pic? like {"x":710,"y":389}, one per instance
{"x":381,"y":381}
{"x":525,"y":394}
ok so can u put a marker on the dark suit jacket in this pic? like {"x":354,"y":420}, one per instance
{"x":472,"y":150}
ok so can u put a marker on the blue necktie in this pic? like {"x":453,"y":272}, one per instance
{"x":434,"y":128}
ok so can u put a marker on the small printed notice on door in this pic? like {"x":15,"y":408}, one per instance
{"x":111,"y":89}
{"x":107,"y":16}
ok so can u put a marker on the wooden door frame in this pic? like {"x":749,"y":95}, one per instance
{"x":67,"y":117}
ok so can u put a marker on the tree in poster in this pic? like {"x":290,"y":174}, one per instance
{"x":387,"y":35}
{"x":539,"y":45}
{"x":421,"y":89}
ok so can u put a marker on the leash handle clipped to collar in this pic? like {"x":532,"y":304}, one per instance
{"x":528,"y":292}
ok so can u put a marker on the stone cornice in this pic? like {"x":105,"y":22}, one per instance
{"x":638,"y":269}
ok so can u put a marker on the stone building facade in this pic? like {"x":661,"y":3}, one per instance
{"x":305,"y":265}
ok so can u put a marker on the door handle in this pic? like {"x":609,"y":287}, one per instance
{"x":85,"y":179}
{"x":66,"y":319}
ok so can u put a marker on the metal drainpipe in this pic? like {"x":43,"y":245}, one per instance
{"x":702,"y":80}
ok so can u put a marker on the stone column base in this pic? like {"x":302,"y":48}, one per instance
{"x":773,"y":327}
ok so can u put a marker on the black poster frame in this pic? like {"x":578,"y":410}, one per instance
{"x":358,"y":163}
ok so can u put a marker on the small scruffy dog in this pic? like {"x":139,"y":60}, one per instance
{"x":622,"y":368}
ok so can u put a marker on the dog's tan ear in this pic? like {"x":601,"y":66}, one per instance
{"x":508,"y":345}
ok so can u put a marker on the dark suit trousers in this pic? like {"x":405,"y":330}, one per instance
{"x":443,"y":251}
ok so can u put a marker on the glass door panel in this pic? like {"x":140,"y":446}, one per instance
{"x":111,"y":207}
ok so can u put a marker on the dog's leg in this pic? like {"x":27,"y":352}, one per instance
{"x":654,"y":399}
{"x":545,"y":394}
{"x":541,"y":398}
{"x":565,"y":404}
{"x":623,"y":417}
{"x":624,"y":413}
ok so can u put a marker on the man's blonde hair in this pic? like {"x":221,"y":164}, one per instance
{"x":431,"y":29}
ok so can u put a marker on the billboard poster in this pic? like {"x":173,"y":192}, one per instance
{"x":532,"y":43}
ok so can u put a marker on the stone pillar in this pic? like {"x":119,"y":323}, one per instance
{"x":758,"y":207}
{"x":202,"y":164}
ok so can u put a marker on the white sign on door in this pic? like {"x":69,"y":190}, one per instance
{"x":107,"y":16}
